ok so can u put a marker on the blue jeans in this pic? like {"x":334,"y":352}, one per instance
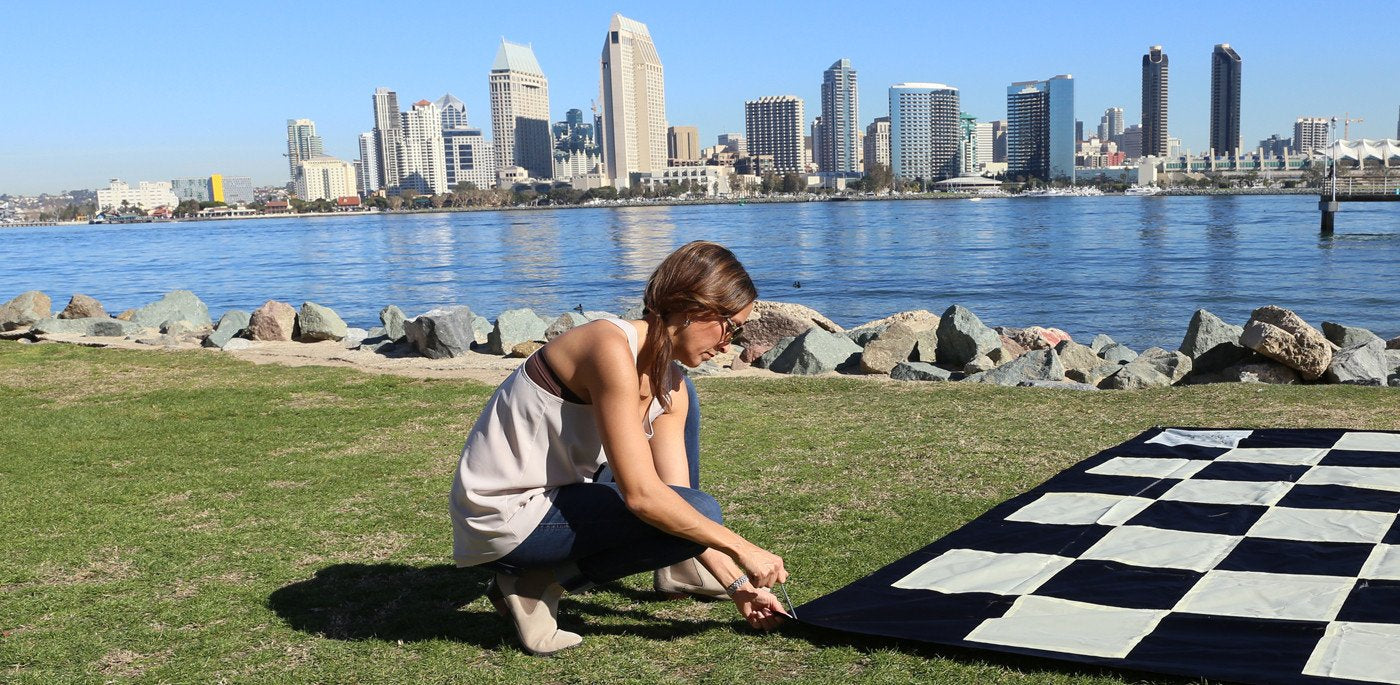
{"x":591,"y":535}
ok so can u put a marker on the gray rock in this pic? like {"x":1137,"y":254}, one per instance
{"x":1392,"y":380}
{"x":765,"y":359}
{"x":863,"y":336}
{"x":889,"y":348}
{"x":1117,"y":353}
{"x":481,"y":329}
{"x":1392,"y":360}
{"x":773,"y":321}
{"x":353,"y":338}
{"x":176,"y":305}
{"x":706,"y":368}
{"x":105,"y":327}
{"x":1348,"y":336}
{"x":1267,"y":371}
{"x":442,"y":333}
{"x":1206,"y":331}
{"x":1361,"y":364}
{"x":1041,"y":365}
{"x":1393,"y":343}
{"x":1076,"y":357}
{"x":377,"y":332}
{"x":566,"y":321}
{"x":925,"y":346}
{"x":231,"y":325}
{"x":52,"y":326}
{"x":179,"y":328}
{"x":919,"y":371}
{"x":1095,"y":375}
{"x":25,"y":309}
{"x":1136,"y":375}
{"x":1173,"y":365}
{"x":234,"y":344}
{"x":392,"y":317}
{"x":1058,"y":385}
{"x":81,"y":306}
{"x":979,"y":364}
{"x":634,"y":313}
{"x":317,"y":322}
{"x":816,"y":351}
{"x":1101,"y":341}
{"x":1283,"y":336}
{"x":963,"y":337}
{"x":514,"y":326}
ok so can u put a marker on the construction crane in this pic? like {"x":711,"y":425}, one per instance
{"x":1347,"y":121}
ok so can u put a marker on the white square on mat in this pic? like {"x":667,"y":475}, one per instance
{"x":1371,"y":477}
{"x":1080,"y":508}
{"x":1266,"y":493}
{"x":1149,"y":467}
{"x":1357,"y":651}
{"x":1162,"y":548}
{"x":1369,"y":442}
{"x":973,"y":570}
{"x":1267,"y":595}
{"x":1295,"y":456}
{"x":1322,"y":525}
{"x":1383,"y":564}
{"x":1172,"y":437}
{"x":1061,"y":625}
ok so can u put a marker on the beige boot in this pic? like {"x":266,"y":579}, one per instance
{"x":689,"y":577}
{"x":531,"y":602}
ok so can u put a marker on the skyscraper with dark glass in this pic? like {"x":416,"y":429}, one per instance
{"x":1154,"y":102}
{"x":1040,"y":129}
{"x":1224,"y":100}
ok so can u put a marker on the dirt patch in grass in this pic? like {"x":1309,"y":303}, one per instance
{"x":124,"y":663}
{"x":106,"y":566}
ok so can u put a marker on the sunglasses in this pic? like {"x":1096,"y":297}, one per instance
{"x":735,"y":330}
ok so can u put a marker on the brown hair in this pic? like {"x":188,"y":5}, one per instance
{"x":699,"y":277}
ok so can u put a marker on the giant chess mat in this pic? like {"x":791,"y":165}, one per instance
{"x":1257,"y":556}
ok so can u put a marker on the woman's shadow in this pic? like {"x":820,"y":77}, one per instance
{"x":396,"y":602}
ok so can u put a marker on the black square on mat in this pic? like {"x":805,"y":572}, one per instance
{"x":1136,"y":486}
{"x":1358,"y":458}
{"x":937,"y":617}
{"x":1197,"y":517}
{"x":1341,"y":497}
{"x":1292,"y":437}
{"x":1023,"y":536}
{"x":1245,"y":649}
{"x":1110,"y":583}
{"x":1266,"y":555}
{"x":1392,"y":536}
{"x":1372,"y":601}
{"x":1244,"y":470}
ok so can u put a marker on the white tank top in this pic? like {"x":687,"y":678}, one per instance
{"x":524,"y":447}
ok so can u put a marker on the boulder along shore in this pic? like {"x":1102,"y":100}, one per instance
{"x":1274,"y":346}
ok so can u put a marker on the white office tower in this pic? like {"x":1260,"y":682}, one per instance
{"x":423,"y":167}
{"x":924,"y":131}
{"x":1111,"y":125}
{"x":520,"y":111}
{"x":368,"y":178}
{"x":469,"y":158}
{"x":302,"y":143}
{"x":454,"y":111}
{"x":325,"y":178}
{"x":1310,"y":135}
{"x":633,"y":93}
{"x":773,"y":125}
{"x":388,"y":136}
{"x":877,"y":143}
{"x":985,"y":143}
{"x":838,"y":148}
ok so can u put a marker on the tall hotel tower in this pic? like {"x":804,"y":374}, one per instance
{"x":839,"y":147}
{"x":773,"y":126}
{"x":1154,"y":102}
{"x":388,"y":136}
{"x":924,"y":131}
{"x":1224,"y":101}
{"x":633,"y":92}
{"x":302,"y":143}
{"x":422,"y":166}
{"x":520,"y":112}
{"x":1040,"y":129}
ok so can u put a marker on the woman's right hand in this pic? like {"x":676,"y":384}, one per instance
{"x":764,"y":568}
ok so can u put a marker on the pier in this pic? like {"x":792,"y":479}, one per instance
{"x":1337,"y":191}
{"x":1365,"y":182}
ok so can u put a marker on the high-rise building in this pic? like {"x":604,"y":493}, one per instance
{"x":877,"y":143}
{"x":468,"y":158}
{"x":985,"y":143}
{"x":424,"y":167}
{"x":968,"y":162}
{"x":370,"y":164}
{"x":1040,"y":129}
{"x":1111,"y":124}
{"x":633,"y":93}
{"x":325,"y":178}
{"x":924,"y":131}
{"x":1274,"y":146}
{"x":520,"y":112}
{"x":388,"y":136}
{"x":576,"y":151}
{"x":773,"y":125}
{"x":454,"y":111}
{"x":1130,"y":142}
{"x":813,"y":142}
{"x":999,"y":141}
{"x":231,"y":190}
{"x":1310,"y":134}
{"x":838,"y":146}
{"x":196,"y":189}
{"x":302,"y":143}
{"x":1225,"y":101}
{"x":1154,"y":102}
{"x":683,"y":143}
{"x":735,"y":143}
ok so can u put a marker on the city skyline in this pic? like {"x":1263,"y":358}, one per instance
{"x":176,"y":121}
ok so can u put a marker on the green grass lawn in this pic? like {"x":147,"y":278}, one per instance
{"x":190,"y":518}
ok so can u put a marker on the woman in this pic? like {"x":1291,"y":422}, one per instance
{"x":606,"y":402}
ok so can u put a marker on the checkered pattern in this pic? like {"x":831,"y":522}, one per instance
{"x":1267,"y":556}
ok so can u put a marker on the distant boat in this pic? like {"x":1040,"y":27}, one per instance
{"x":1142,"y":190}
{"x":974,"y":199}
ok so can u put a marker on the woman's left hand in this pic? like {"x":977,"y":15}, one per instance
{"x":759,"y":607}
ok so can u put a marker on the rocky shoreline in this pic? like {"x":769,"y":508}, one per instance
{"x":1275,"y":346}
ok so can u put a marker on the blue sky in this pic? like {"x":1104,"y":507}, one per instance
{"x":160,"y":90}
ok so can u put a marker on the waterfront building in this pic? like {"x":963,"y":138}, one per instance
{"x":968,"y":161}
{"x":302,"y":143}
{"x":735,"y":143}
{"x":520,"y":111}
{"x":985,"y":143}
{"x":1225,"y":67}
{"x":682,"y":144}
{"x":633,"y":93}
{"x":999,"y":141}
{"x":1154,"y":102}
{"x":877,"y":143}
{"x":231,"y":190}
{"x":468,"y":158}
{"x":576,"y":150}
{"x":925,"y":131}
{"x":1130,"y":142}
{"x":370,"y":165}
{"x":1110,"y":124}
{"x":704,"y":180}
{"x":196,"y":189}
{"x":146,"y":195}
{"x":1040,"y":129}
{"x":773,"y":126}
{"x":423,"y":165}
{"x":813,"y":143}
{"x":1174,"y":148}
{"x":1310,"y":134}
{"x":453,"y":111}
{"x":1274,"y":146}
{"x":838,"y":147}
{"x":1078,"y":130}
{"x":325,"y":178}
{"x":388,"y":137}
